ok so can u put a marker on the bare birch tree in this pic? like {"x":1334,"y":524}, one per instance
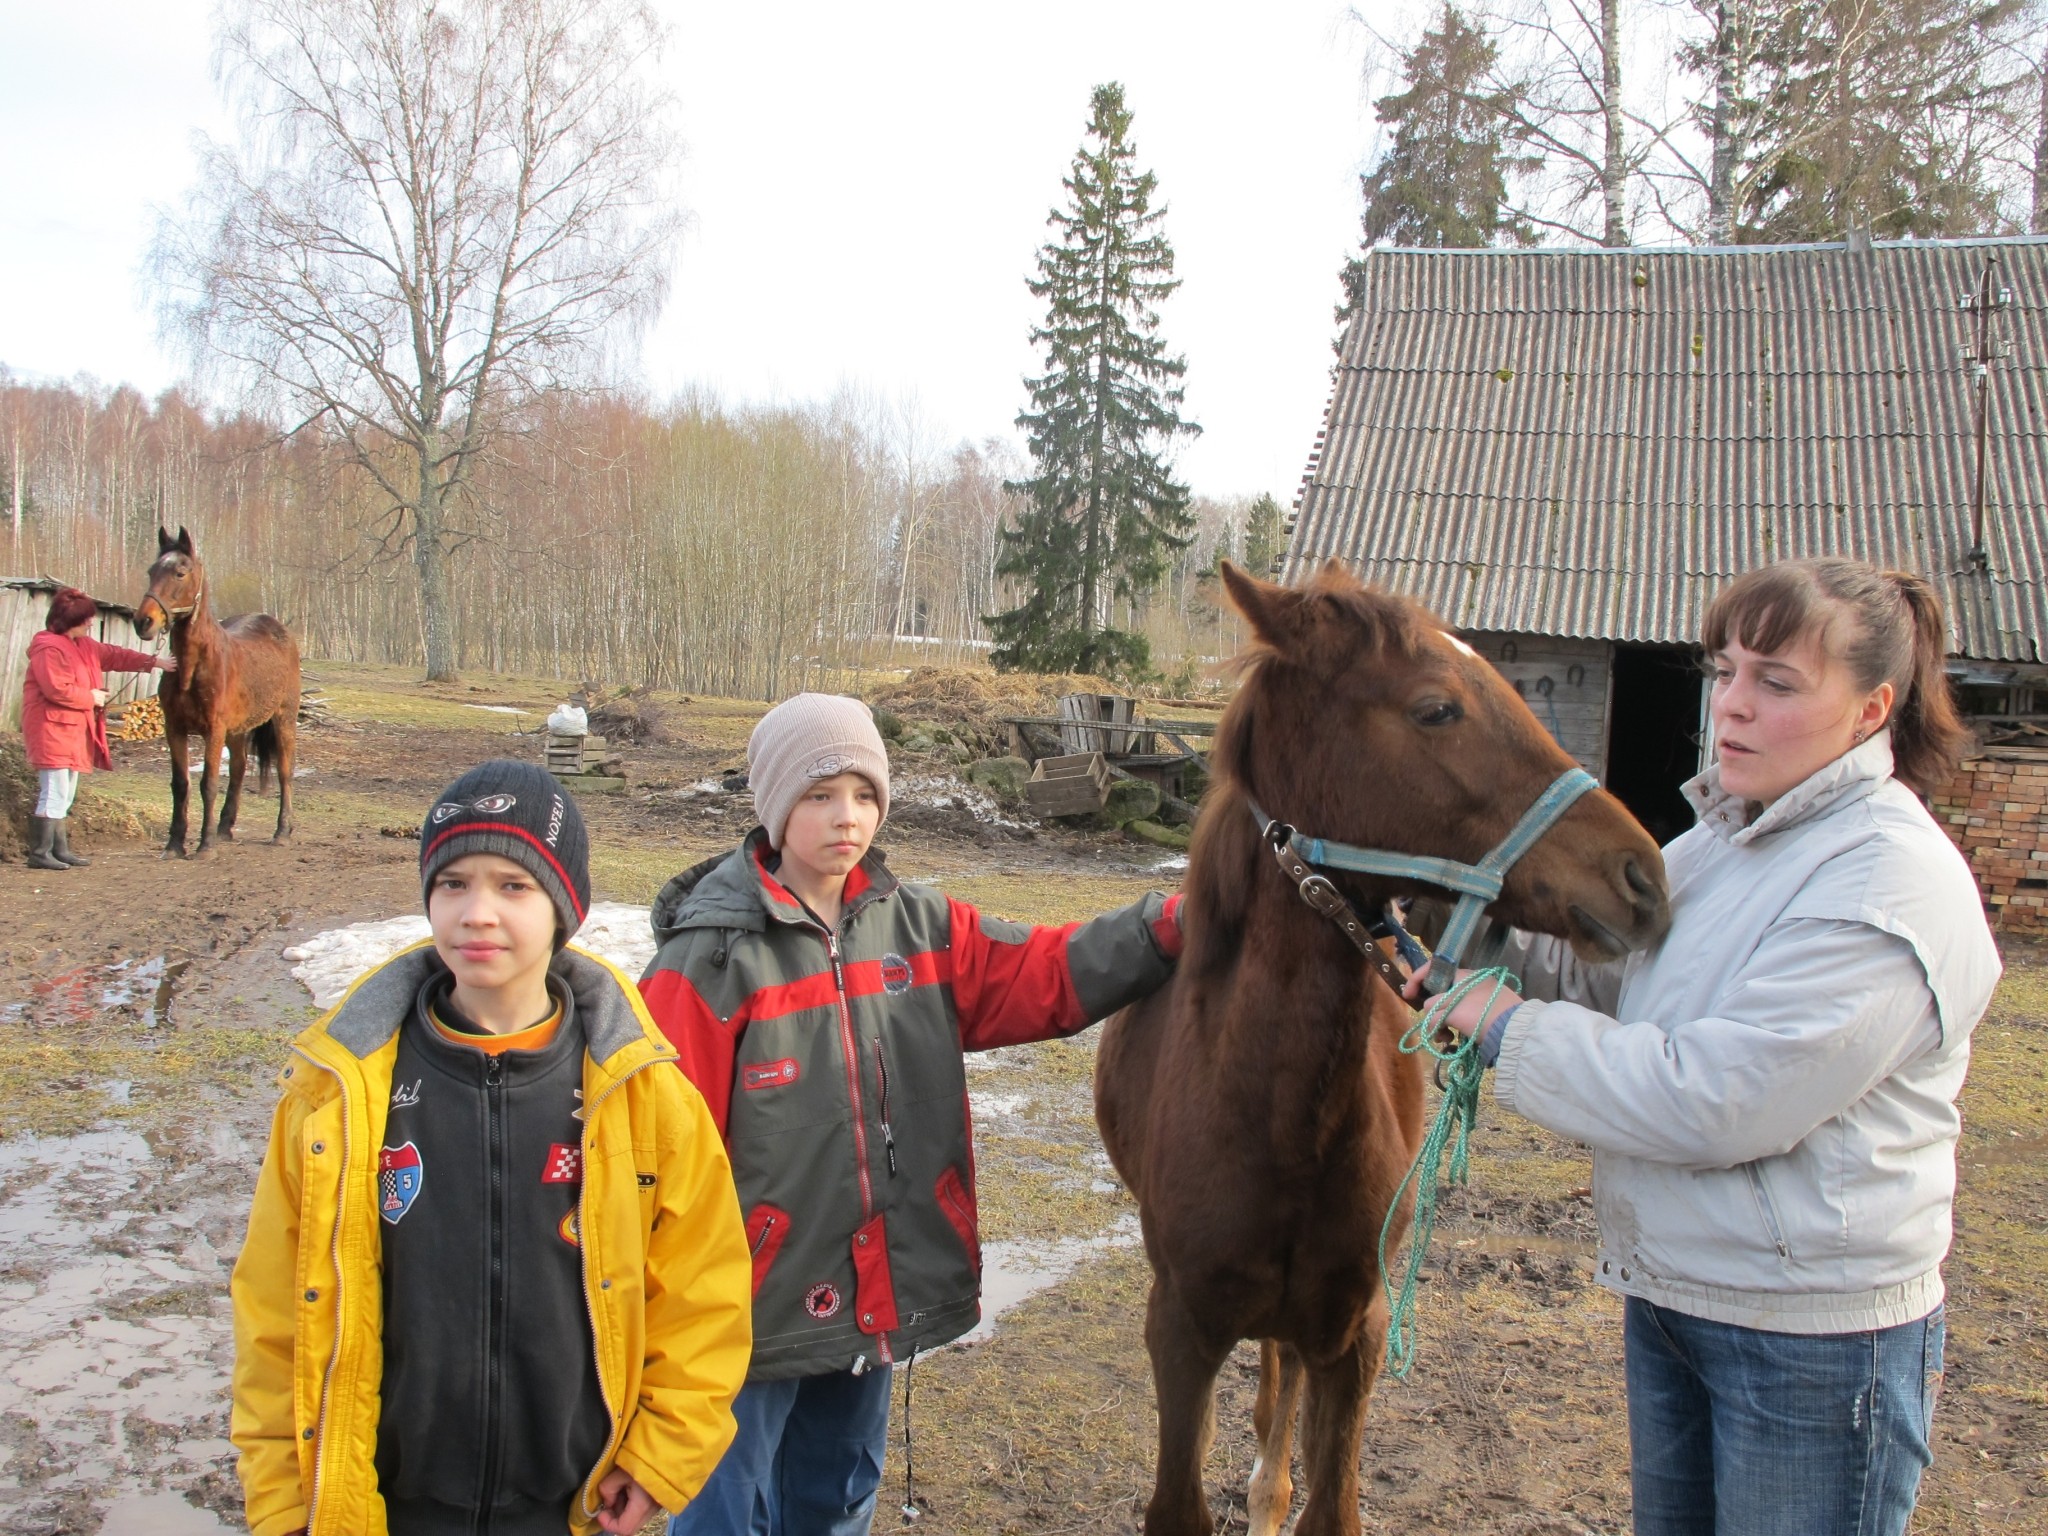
{"x":439,"y":210}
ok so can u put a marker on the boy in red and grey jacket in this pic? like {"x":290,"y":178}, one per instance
{"x":821,"y":1008}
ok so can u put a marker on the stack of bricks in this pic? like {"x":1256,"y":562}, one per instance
{"x":1996,"y":809}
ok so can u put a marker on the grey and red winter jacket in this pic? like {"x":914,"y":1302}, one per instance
{"x":832,"y":1062}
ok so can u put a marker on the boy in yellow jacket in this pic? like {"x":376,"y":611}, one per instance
{"x":495,"y":1280}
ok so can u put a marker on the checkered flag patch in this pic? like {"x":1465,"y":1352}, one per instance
{"x":564,"y":1164}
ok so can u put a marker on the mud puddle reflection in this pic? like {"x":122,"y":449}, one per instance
{"x":144,"y":987}
{"x":115,"y":1335}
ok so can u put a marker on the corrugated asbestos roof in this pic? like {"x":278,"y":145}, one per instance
{"x":1589,"y":443}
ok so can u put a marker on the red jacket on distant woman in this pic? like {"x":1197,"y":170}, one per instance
{"x":60,"y":724}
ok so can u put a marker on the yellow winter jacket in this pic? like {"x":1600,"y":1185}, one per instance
{"x":666,"y":1270}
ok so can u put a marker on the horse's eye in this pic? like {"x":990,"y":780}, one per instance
{"x":1437,"y":712}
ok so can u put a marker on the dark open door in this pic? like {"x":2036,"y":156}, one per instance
{"x":1653,"y":734}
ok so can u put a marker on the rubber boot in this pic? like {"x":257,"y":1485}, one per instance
{"x":42,"y":832}
{"x":62,"y":845}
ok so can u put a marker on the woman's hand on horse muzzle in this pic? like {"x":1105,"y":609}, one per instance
{"x":1472,"y":1012}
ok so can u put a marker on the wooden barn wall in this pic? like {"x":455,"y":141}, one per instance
{"x":22,"y":614}
{"x":1565,"y":683}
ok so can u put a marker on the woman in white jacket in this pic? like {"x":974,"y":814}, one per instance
{"x":1770,"y":1094}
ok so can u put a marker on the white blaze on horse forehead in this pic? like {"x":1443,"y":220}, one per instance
{"x":1461,"y":645}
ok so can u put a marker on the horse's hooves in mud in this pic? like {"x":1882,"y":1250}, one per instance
{"x":281,"y":840}
{"x":176,"y":852}
{"x":203,"y":851}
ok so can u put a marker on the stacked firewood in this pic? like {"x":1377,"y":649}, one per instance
{"x":142,"y":720}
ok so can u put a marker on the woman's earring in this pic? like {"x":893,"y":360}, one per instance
{"x":1858,"y":737}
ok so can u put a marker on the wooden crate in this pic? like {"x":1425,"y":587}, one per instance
{"x":1068,"y":786}
{"x":574,"y":754}
{"x":1097,"y":710}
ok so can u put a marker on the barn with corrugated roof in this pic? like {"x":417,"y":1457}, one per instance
{"x":1566,"y":453}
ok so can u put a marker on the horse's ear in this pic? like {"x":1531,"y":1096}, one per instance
{"x":164,"y":542}
{"x":184,"y":544}
{"x":1274,"y":612}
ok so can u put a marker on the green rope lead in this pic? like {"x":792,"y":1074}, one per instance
{"x":1456,"y":1113}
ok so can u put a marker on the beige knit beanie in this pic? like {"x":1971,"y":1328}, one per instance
{"x":809,"y":737}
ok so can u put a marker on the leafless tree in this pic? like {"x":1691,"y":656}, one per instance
{"x":438,"y":212}
{"x":1562,"y":63}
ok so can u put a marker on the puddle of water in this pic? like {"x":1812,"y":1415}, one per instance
{"x":329,"y":962}
{"x":79,"y":994}
{"x":115,"y":1343}
{"x":160,"y":1514}
{"x":1012,"y":1273}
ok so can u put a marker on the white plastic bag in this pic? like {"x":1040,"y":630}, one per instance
{"x":568,"y":720}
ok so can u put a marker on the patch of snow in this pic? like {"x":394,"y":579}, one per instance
{"x":1177,"y":865}
{"x":944,"y":792}
{"x":986,"y":1104}
{"x":329,"y":962}
{"x":498,"y":709}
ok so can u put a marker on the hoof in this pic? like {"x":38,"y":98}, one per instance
{"x":203,"y":851}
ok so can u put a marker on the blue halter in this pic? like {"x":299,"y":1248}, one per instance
{"x":1478,"y":885}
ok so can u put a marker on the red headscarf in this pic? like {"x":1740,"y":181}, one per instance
{"x":70,"y":608}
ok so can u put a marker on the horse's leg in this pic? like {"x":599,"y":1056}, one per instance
{"x":1272,"y":1490}
{"x":179,"y":745}
{"x":285,"y":732}
{"x":1331,"y":1427}
{"x":209,"y":780}
{"x":1184,"y":1367}
{"x":231,"y":803}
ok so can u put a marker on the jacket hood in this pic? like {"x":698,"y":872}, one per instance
{"x":1848,"y":778}
{"x":718,"y":892}
{"x":726,"y":891}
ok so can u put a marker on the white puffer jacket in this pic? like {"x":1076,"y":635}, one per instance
{"x":1770,"y":1094}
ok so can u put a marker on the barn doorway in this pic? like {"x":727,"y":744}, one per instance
{"x":1653,"y":734}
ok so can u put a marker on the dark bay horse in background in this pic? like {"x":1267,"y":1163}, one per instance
{"x":237,"y":685}
{"x":1259,"y":1107}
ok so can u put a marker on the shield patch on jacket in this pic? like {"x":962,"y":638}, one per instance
{"x":399,"y":1176}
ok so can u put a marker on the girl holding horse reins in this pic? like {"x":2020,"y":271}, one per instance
{"x":1770,"y":1092}
{"x":64,"y":716}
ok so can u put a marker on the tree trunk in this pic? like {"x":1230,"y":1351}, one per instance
{"x":430,"y":559}
{"x":1721,"y":130}
{"x":1614,"y":163}
{"x":2040,"y":220}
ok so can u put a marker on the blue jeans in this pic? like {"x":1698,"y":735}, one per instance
{"x":1738,"y":1432}
{"x":806,"y":1461}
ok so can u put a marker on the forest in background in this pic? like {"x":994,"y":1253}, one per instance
{"x":741,"y":551}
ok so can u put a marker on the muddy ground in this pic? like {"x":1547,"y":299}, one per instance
{"x":145,"y":1006}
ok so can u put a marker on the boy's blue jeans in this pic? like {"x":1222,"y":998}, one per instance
{"x":1737,"y":1432}
{"x":806,"y":1461}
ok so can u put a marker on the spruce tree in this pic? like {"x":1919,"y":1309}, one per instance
{"x":1265,"y":535}
{"x":1104,"y":512}
{"x":1444,"y":180}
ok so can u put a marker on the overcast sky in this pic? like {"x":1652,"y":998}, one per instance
{"x":867,"y":186}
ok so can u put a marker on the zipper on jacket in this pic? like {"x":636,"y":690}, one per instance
{"x":767,"y":1228}
{"x":850,"y":1049}
{"x":494,"y":1301}
{"x":611,"y":1446}
{"x":888,"y":1135}
{"x":327,"y":1378}
{"x":1768,"y":1211}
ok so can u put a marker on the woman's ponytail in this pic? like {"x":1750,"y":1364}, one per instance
{"x":1928,"y":734}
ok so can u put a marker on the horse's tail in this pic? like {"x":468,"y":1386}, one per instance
{"x":263,"y":742}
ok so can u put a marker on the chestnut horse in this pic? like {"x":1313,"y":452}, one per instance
{"x":1258,"y":1106}
{"x":237,"y":685}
